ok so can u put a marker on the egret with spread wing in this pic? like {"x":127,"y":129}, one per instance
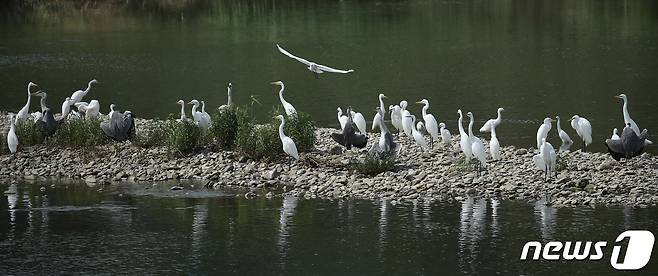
{"x":312,"y":66}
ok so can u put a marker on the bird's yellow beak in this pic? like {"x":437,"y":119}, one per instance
{"x":617,"y":96}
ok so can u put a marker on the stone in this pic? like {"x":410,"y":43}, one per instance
{"x":271,"y":174}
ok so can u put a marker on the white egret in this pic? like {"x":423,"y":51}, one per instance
{"x":446,"y":137}
{"x":204,"y":114}
{"x":566,"y":140}
{"x":477,"y":147}
{"x":628,"y":119}
{"x":229,"y":101}
{"x":342,"y":118}
{"x":418,"y":137}
{"x":376,"y":120}
{"x":396,"y":117}
{"x":615,"y":136}
{"x":583,"y":129}
{"x":546,"y":159}
{"x":12,"y":139}
{"x":464,"y":140}
{"x":359,"y":121}
{"x":543,"y":130}
{"x":407,"y":125}
{"x":494,"y":144}
{"x":288,"y":144}
{"x":92,"y":109}
{"x":82,"y":108}
{"x":77,"y":96}
{"x":492,"y":122}
{"x":109,"y":115}
{"x":290,"y":110}
{"x":312,"y":66}
{"x":430,"y":122}
{"x":200,"y":120}
{"x":183,"y":117}
{"x":24,"y":112}
{"x":66,"y":108}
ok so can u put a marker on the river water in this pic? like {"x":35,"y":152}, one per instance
{"x":72,"y":228}
{"x":535,"y":58}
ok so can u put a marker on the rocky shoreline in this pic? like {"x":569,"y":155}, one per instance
{"x":587,"y":178}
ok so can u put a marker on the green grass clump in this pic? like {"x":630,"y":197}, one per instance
{"x":259,"y":141}
{"x":225,"y":126}
{"x":374,"y":165}
{"x":182,"y":137}
{"x":80,"y":133}
{"x":28,"y":133}
{"x":300,"y":129}
{"x":151,"y":137}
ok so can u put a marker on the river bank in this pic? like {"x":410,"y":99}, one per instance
{"x":587,"y":178}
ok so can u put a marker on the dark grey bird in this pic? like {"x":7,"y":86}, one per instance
{"x":385,"y":145}
{"x":47,"y":124}
{"x":348,"y":137}
{"x":121,"y":126}
{"x":629,"y":146}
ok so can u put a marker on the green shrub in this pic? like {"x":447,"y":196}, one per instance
{"x":154,"y":136}
{"x":300,"y":129}
{"x":80,"y":133}
{"x":182,"y":137}
{"x":28,"y":133}
{"x":225,"y":126}
{"x":373,"y":165}
{"x":259,"y":141}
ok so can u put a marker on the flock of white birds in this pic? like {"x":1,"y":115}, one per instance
{"x":405,"y":123}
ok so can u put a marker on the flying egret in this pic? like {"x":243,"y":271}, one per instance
{"x":627,"y":117}
{"x":420,"y":140}
{"x":24,"y":112}
{"x":92,"y":109}
{"x":492,"y":122}
{"x":204,"y":114}
{"x":375,"y":121}
{"x":12,"y":139}
{"x":183,"y":117}
{"x":200,"y":120}
{"x":396,"y":117}
{"x":229,"y":101}
{"x":543,"y":130}
{"x":109,"y":115}
{"x":615,"y":136}
{"x":583,"y":129}
{"x":566,"y":140}
{"x":430,"y":122}
{"x":66,"y":108}
{"x":290,"y":110}
{"x":407,"y":125}
{"x":312,"y":66}
{"x":385,"y":145}
{"x":494,"y":144}
{"x":359,"y":121}
{"x":446,"y":137}
{"x":464,"y":140}
{"x":546,"y":159}
{"x":342,"y":118}
{"x":477,"y":147}
{"x":120,"y":126}
{"x":629,"y":145}
{"x":77,"y":96}
{"x":348,"y":136}
{"x":288,"y":144}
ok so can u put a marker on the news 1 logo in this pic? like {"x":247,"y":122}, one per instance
{"x":636,"y":255}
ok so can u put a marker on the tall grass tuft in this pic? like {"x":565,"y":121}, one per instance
{"x":301,"y":129}
{"x":259,"y":141}
{"x":374,"y":165}
{"x":226,"y":125}
{"x":28,"y":133}
{"x":80,"y":133}
{"x":153,"y":136}
{"x":182,"y":137}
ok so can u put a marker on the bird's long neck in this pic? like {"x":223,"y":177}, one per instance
{"x":203,"y":107}
{"x":627,"y":117}
{"x":427,"y":105}
{"x":43,"y":103}
{"x":381,"y":103}
{"x":12,"y":127}
{"x":383,"y":129}
{"x":194,"y":107}
{"x":499,"y":116}
{"x":558,"y":126}
{"x":470,"y":128}
{"x":459,"y":123}
{"x":281,"y":95}
{"x":281,"y":135}
{"x":88,"y":88}
{"x":493,"y":131}
{"x":230,"y":101}
{"x":182,"y":111}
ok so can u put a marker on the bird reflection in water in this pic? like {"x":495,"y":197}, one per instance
{"x":285,"y":218}
{"x":546,"y":218}
{"x":471,"y":232}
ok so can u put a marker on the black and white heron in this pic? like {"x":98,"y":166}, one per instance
{"x":312,"y":66}
{"x":121,"y":126}
{"x":349,"y":137}
{"x":47,"y":124}
{"x":77,"y":96}
{"x":629,"y":145}
{"x":25,"y":111}
{"x":386,"y":145}
{"x":628,"y":119}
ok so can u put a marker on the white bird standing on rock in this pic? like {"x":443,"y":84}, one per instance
{"x":418,"y":137}
{"x":205,"y":114}
{"x":628,"y":119}
{"x":77,"y":96}
{"x":342,"y":118}
{"x":229,"y":101}
{"x":288,"y":144}
{"x":312,"y":66}
{"x":464,"y":140}
{"x":546,"y":159}
{"x":290,"y":110}
{"x":66,"y":108}
{"x":183,"y":117}
{"x":494,"y":144}
{"x":359,"y":121}
{"x":396,"y":117}
{"x":492,"y":122}
{"x":615,"y":136}
{"x":12,"y":139}
{"x":109,"y":115}
{"x":446,"y":137}
{"x":92,"y":109}
{"x":430,"y":122}
{"x":566,"y":140}
{"x":376,"y":119}
{"x":477,"y":147}
{"x":24,"y":112}
{"x":583,"y":129}
{"x":543,"y":130}
{"x":407,"y":125}
{"x":199,"y":119}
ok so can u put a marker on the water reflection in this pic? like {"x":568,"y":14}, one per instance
{"x":472,"y":222}
{"x":546,"y":219}
{"x":285,"y":223}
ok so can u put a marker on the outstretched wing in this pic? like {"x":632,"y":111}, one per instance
{"x":283,"y":51}
{"x":332,"y":70}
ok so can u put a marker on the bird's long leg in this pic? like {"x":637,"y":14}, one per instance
{"x":431,"y":142}
{"x":584,"y":147}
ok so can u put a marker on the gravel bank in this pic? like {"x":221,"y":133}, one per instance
{"x":588,"y":178}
